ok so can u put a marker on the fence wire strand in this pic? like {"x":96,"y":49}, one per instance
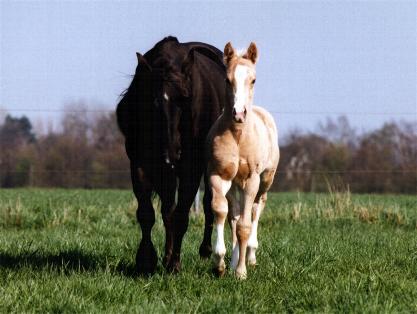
{"x":296,"y":112}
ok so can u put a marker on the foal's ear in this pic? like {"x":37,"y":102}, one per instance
{"x":142,"y":61}
{"x":252,"y":53}
{"x":229,"y":53}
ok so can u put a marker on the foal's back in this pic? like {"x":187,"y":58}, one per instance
{"x":260,"y":144}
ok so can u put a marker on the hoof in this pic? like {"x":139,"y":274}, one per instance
{"x":205,"y":251}
{"x":174,"y":265}
{"x":251,"y":256}
{"x":241,"y":274}
{"x":166,"y":260}
{"x":252,"y":263}
{"x":219,"y":269}
{"x":146,"y":259}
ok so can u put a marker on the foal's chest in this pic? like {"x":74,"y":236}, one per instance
{"x":244,"y":171}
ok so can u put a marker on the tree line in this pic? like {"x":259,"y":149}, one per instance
{"x":88,"y":152}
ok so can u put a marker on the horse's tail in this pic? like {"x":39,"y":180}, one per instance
{"x":122,"y":115}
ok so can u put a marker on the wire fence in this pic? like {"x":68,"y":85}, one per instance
{"x":295,"y":112}
{"x":279,"y":171}
{"x":120,"y":176}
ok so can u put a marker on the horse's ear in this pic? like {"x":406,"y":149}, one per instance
{"x":142,"y":61}
{"x":229,"y":53}
{"x":252,"y":53}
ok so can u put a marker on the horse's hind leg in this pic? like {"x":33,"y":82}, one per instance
{"x":146,"y":258}
{"x":205,"y":247}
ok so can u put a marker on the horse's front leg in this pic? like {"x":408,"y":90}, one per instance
{"x":244,"y":223}
{"x":219,"y":189}
{"x":167,"y":209}
{"x":146,"y":258}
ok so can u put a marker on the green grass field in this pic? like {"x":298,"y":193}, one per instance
{"x":73,"y":251}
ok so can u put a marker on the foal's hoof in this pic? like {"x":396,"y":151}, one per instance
{"x":252,"y":263}
{"x":220,"y":270}
{"x":241,"y":274}
{"x":251,"y":256}
{"x":146,"y":259}
{"x":205,"y":251}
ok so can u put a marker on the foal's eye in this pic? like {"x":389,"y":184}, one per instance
{"x":253,"y":82}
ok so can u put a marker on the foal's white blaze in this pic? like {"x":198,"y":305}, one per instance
{"x":241,"y":94}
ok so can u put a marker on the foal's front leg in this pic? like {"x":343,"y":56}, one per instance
{"x":258,"y":207}
{"x":219,"y":188}
{"x":244,"y":223}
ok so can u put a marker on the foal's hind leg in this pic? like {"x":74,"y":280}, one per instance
{"x":233,"y":216}
{"x":146,"y":258}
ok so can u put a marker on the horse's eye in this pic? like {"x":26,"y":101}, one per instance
{"x":253,"y":82}
{"x":166,"y":97}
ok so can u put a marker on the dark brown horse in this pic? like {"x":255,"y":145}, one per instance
{"x":176,"y":94}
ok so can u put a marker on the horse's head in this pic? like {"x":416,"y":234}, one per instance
{"x":166,"y":88}
{"x":241,"y":76}
{"x":168,"y":84}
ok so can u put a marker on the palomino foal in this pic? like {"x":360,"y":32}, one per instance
{"x":243,"y":156}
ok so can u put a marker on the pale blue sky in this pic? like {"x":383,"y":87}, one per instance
{"x":317,"y":58}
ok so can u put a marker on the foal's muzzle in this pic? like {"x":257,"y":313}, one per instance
{"x":239,"y":117}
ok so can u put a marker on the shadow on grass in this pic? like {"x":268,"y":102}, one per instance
{"x":66,"y":261}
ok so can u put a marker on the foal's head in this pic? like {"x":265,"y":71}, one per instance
{"x":241,"y":76}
